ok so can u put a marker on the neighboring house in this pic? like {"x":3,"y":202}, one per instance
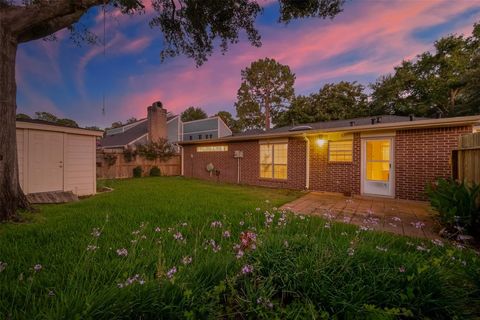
{"x":159,"y":124}
{"x":52,"y":157}
{"x":388,"y":156}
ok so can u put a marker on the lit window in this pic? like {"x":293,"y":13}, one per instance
{"x":212,"y":148}
{"x":378,"y":160}
{"x":340,"y":151}
{"x":273,"y":161}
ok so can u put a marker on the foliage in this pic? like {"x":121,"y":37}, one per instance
{"x":137,"y":172}
{"x":116,"y":124}
{"x":193,"y":113}
{"x":343,"y":100}
{"x":265,"y":92}
{"x":67,"y":122}
{"x":457,"y":204}
{"x":291,"y":9}
{"x":23,"y":116}
{"x":131,"y":120}
{"x":93,"y":128}
{"x":440,"y":82}
{"x":129,"y":154}
{"x":110,"y":159}
{"x":155,"y":172}
{"x":46,"y":116}
{"x":300,"y":268}
{"x":229,"y":120}
{"x":161,"y":149}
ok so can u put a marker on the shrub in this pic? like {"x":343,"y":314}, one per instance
{"x":155,"y":172}
{"x":137,"y":172}
{"x":456,"y":203}
{"x":110,"y":159}
{"x":129,"y":154}
{"x":161,"y":149}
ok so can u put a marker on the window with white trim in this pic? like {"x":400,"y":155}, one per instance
{"x":340,"y":151}
{"x":273,"y":160}
{"x":212,"y":148}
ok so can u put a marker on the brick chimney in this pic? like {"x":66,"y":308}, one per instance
{"x":157,"y":122}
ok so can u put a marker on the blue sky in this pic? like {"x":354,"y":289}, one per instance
{"x":362,"y":43}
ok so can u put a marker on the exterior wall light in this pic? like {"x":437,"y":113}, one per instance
{"x":320,"y":142}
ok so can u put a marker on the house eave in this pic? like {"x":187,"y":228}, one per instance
{"x":404,"y":125}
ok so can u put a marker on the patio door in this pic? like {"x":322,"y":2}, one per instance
{"x":378,"y":167}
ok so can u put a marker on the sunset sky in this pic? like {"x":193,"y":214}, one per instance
{"x":365,"y":41}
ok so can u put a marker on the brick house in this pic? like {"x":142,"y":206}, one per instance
{"x":389,"y":156}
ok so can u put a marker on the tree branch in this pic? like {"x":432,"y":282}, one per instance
{"x":50,"y":16}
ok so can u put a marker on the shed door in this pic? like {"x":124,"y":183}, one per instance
{"x":45,"y":161}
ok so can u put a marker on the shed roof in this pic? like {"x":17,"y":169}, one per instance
{"x":51,"y":126}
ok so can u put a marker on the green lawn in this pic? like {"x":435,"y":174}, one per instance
{"x":177,"y":264}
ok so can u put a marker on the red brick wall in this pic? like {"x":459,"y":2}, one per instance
{"x":249,"y":164}
{"x":343,"y":177}
{"x":421,"y":156}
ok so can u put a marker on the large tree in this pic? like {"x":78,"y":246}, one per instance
{"x":189,"y":27}
{"x":265,"y":92}
{"x":438,"y":82}
{"x":193,"y":113}
{"x":334,"y":101}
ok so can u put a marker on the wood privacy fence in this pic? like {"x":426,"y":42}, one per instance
{"x":107,"y":168}
{"x":466,"y":159}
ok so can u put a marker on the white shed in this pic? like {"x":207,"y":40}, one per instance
{"x":56,"y":158}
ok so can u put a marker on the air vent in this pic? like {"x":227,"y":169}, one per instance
{"x":300,"y":128}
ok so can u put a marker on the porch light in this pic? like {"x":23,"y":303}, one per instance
{"x":320,"y":142}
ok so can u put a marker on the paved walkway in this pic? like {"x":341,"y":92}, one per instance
{"x":410,"y":218}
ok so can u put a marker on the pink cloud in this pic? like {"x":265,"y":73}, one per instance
{"x":384,"y":28}
{"x":379,"y":33}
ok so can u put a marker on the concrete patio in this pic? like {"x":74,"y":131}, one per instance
{"x":410,"y":218}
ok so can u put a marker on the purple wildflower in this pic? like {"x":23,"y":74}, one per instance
{"x":38,"y":267}
{"x":226,"y":234}
{"x":171,"y":272}
{"x":401,"y":269}
{"x":239,"y":254}
{"x":122,"y":252}
{"x":178,"y":236}
{"x":158,"y":229}
{"x":92,"y":247}
{"x":418,"y":224}
{"x":186,"y":260}
{"x":96,"y":232}
{"x":216,"y":224}
{"x":381,"y":249}
{"x":246,"y":269}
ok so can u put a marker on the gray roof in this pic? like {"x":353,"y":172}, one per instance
{"x":329,"y":125}
{"x":124,"y":138}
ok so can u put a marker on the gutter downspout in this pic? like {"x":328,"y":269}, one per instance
{"x":307,"y":162}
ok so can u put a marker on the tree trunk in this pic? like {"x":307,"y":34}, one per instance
{"x":267,"y":114}
{"x":12,"y":197}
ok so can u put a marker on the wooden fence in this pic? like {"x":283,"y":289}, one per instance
{"x":466,"y":159}
{"x":111,"y":164}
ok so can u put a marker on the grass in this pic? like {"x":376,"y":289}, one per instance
{"x":302,"y":267}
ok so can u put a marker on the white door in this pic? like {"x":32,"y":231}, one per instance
{"x":377,"y":166}
{"x":45,"y":161}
